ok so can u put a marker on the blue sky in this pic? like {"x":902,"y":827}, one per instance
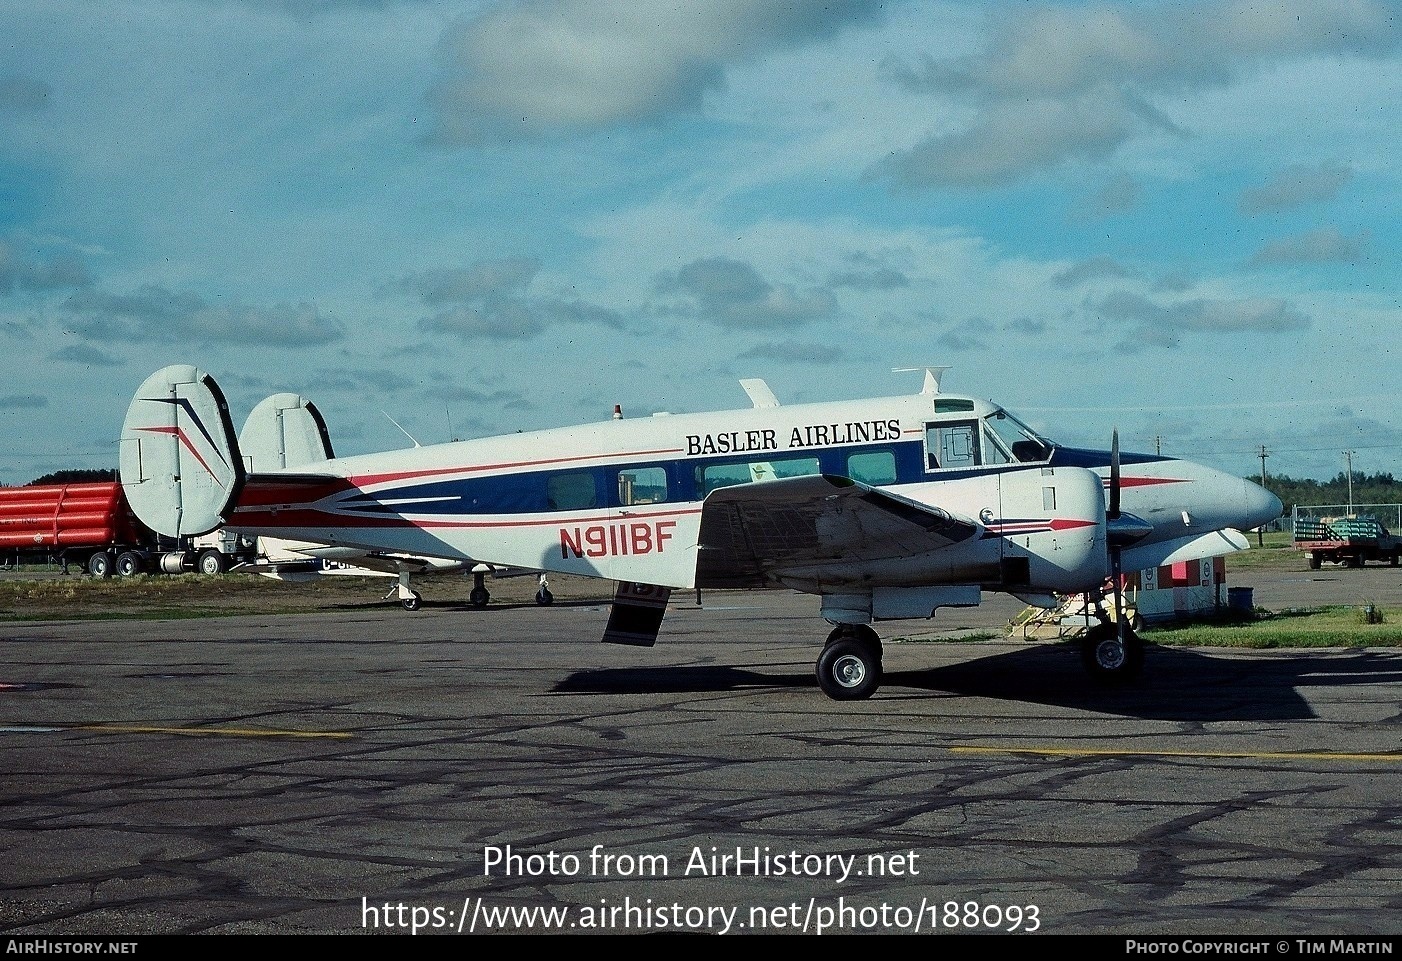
{"x":1178,"y":219}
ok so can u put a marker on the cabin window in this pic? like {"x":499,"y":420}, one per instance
{"x":873,"y":467}
{"x":952,"y":444}
{"x":642,"y":485}
{"x":714,"y":476}
{"x":571,"y":492}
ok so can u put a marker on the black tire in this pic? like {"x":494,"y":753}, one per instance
{"x":1314,"y":561}
{"x":1136,"y":623}
{"x":544,"y":598}
{"x":1396,"y":556}
{"x":212,"y":562}
{"x":860,"y":632}
{"x":129,"y":564}
{"x":1105,"y":659}
{"x":101,"y":564}
{"x":1355,"y":560}
{"x":849,"y":670}
{"x":413,"y":602}
{"x":479,"y":597}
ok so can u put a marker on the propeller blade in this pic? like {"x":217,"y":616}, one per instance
{"x":1113,"y":511}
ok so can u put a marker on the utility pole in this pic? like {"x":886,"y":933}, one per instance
{"x":1348,"y":462}
{"x":1260,"y":536}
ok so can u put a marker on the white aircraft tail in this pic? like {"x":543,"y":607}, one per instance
{"x":284,"y":431}
{"x":180,"y":463}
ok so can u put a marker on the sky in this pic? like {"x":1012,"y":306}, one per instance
{"x":1174,"y":219}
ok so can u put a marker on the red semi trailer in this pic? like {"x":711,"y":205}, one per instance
{"x":93,"y":525}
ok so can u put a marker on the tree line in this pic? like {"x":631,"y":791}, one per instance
{"x":1380,"y":488}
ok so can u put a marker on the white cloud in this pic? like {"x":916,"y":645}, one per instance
{"x":1322,"y":246}
{"x":1064,"y":82}
{"x":1161,"y":325}
{"x":154,"y":313}
{"x":1296,"y":186}
{"x":578,"y":65}
{"x":731,"y":293}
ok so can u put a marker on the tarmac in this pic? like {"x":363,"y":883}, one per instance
{"x":473,"y":771}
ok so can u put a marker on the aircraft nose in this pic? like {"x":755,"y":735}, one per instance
{"x":1259,"y":506}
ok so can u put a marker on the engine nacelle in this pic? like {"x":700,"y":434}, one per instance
{"x":1053,"y":529}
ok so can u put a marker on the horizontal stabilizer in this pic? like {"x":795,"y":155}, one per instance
{"x":180,"y":463}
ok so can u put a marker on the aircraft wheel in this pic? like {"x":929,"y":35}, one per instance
{"x":100,"y":564}
{"x":1107,"y":659}
{"x":544,"y":598}
{"x":849,"y":670}
{"x":478,"y":597}
{"x":212,"y":562}
{"x":129,"y":564}
{"x":413,"y":602}
{"x":862,"y":632}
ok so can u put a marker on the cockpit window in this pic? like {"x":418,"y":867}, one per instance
{"x":1008,"y":440}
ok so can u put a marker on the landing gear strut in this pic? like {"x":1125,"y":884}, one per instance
{"x":409,"y":599}
{"x":849,"y":669}
{"x":479,"y":595}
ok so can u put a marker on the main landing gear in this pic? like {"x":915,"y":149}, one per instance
{"x":849,"y":669}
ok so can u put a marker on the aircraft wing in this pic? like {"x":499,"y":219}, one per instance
{"x":752,"y":532}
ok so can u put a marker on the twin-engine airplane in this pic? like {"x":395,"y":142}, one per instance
{"x":886,"y":508}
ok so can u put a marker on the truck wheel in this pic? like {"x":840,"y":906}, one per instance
{"x":212,"y":562}
{"x":1396,"y":556}
{"x":1314,"y":561}
{"x":1355,"y":560}
{"x":100,"y":564}
{"x":129,"y":564}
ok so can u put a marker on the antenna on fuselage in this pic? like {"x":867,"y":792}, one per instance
{"x":932,"y":377}
{"x":401,"y":427}
{"x":759,"y":393}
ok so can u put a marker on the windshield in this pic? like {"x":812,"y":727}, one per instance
{"x":1008,"y":440}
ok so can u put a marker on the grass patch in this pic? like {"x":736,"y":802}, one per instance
{"x":185,"y":596}
{"x":1334,"y":626}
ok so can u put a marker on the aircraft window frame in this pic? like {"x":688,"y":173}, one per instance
{"x":779,"y":465}
{"x":869,"y":476}
{"x":632,"y":479}
{"x":563,"y":498}
{"x":1017,"y":449}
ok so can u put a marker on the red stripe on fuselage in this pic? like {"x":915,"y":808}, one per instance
{"x":295,"y":517}
{"x":361,"y":480}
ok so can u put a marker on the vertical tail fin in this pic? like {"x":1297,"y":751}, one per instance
{"x":180,"y":462}
{"x":285,"y":431}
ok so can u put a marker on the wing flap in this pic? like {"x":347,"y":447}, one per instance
{"x":752,"y":532}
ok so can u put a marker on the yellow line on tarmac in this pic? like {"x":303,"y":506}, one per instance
{"x":1111,"y":752}
{"x":206,"y":731}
